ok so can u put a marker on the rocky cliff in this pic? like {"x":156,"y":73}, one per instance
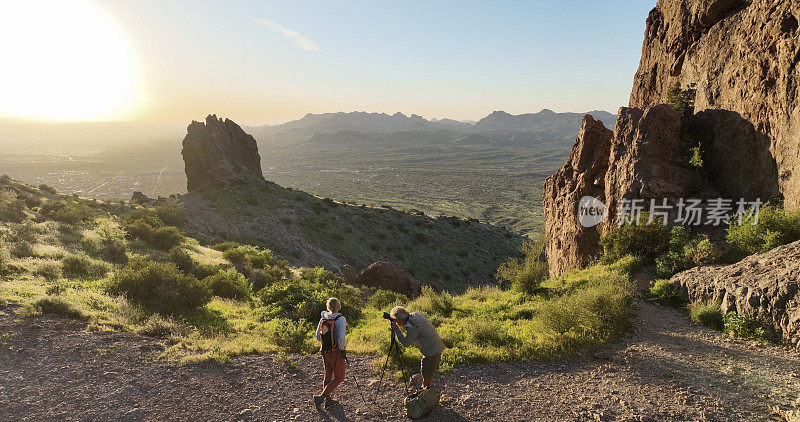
{"x":740,"y":58}
{"x":735,"y":62}
{"x":219,"y":152}
{"x":764,"y":287}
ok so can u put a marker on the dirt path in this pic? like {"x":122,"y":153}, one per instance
{"x":667,"y":369}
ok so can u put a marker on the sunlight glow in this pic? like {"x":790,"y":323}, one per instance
{"x":64,"y":60}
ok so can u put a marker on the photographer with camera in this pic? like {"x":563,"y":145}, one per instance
{"x":420,"y":333}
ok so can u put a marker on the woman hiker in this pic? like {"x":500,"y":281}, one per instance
{"x":331,"y":330}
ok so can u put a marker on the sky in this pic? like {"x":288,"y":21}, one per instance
{"x":263,"y":62}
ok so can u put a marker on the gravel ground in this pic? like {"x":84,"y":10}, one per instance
{"x":668,"y":368}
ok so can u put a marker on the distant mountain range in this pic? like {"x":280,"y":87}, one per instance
{"x":546,"y":122}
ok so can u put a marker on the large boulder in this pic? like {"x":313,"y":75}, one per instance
{"x":219,"y":153}
{"x":384,"y":275}
{"x":763,"y":286}
{"x":739,"y":57}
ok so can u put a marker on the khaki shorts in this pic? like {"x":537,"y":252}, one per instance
{"x":430,"y":365}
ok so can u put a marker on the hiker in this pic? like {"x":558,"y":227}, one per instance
{"x":330,"y":332}
{"x":420,"y":333}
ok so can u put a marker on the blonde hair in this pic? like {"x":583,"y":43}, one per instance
{"x":333,"y":305}
{"x":399,"y":312}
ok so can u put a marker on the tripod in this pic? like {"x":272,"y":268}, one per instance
{"x":395,"y":346}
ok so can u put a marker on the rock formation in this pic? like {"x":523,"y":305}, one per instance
{"x":219,"y":152}
{"x":570,"y":245}
{"x":388,"y":276}
{"x":764,"y":286}
{"x":739,"y":60}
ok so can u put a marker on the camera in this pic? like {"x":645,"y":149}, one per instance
{"x":387,"y":316}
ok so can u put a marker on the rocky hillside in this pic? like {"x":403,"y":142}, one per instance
{"x":228,"y":198}
{"x":732,"y":66}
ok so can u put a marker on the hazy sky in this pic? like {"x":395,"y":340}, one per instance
{"x":272,"y":61}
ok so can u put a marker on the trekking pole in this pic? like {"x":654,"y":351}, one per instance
{"x":356,"y":381}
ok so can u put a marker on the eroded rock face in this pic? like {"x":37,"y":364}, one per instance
{"x":570,"y":245}
{"x":763,"y":286}
{"x":219,"y":152}
{"x":741,"y":57}
{"x":648,"y":158}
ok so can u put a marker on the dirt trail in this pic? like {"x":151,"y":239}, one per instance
{"x":668,"y":368}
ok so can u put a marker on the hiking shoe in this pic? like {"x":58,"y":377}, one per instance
{"x":318,"y":400}
{"x":329,"y":402}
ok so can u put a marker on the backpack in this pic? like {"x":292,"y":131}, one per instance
{"x":328,"y":334}
{"x":421,"y":403}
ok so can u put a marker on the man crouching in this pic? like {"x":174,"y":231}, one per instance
{"x":420,"y":333}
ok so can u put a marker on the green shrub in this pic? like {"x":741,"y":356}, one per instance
{"x":707,"y":314}
{"x":57,"y":305}
{"x":684,"y":254}
{"x":678,"y":99}
{"x":229,"y":284}
{"x":158,"y":286}
{"x":5,"y":258}
{"x":775,"y":227}
{"x":139,"y":229}
{"x":181,"y":258}
{"x":666,"y":293}
{"x":382,"y":299}
{"x":525,"y":274}
{"x":23,"y":249}
{"x":68,"y":210}
{"x":224,"y":246}
{"x":321,"y":276}
{"x":744,"y":326}
{"x":78,"y":265}
{"x":594,"y":304}
{"x":166,"y":238}
{"x":645,"y":241}
{"x":172,"y":213}
{"x":260,"y":278}
{"x":12,"y":209}
{"x":48,"y":189}
{"x":49,"y":270}
{"x":433,"y":305}
{"x":294,"y":336}
{"x":305,"y":299}
{"x":487,"y":332}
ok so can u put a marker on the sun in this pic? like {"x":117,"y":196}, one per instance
{"x":64,"y":60}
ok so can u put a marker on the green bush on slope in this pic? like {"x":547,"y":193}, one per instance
{"x":774,"y":227}
{"x":158,"y":286}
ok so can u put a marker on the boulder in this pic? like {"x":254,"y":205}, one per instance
{"x":217,"y":153}
{"x":388,"y":276}
{"x":763,"y":286}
